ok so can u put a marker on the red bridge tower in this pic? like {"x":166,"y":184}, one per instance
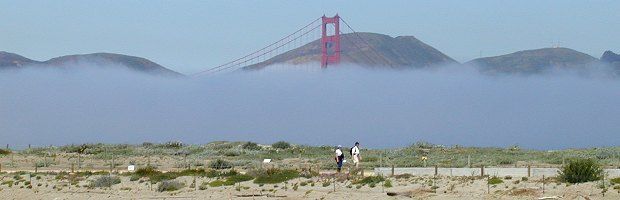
{"x":330,"y":49}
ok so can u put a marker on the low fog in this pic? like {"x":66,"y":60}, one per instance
{"x":378,"y":108}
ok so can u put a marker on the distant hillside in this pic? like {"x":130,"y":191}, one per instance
{"x":398,"y":52}
{"x":14,"y":61}
{"x":534,"y":61}
{"x":613,"y":60}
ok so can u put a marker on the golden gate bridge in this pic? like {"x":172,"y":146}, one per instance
{"x":330,"y":41}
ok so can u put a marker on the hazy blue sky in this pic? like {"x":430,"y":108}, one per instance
{"x":188,"y":36}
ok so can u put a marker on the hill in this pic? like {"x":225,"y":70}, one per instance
{"x":14,"y":61}
{"x":368,"y":49}
{"x":534,"y":61}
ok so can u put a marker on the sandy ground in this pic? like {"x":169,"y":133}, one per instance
{"x":47,"y":187}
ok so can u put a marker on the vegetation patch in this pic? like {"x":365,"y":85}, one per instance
{"x":370,"y":180}
{"x":220,"y":164}
{"x":281,"y":145}
{"x":273,"y":176}
{"x":105,"y":181}
{"x":231,"y":180}
{"x":167,"y":186}
{"x":580,"y":171}
{"x":5,"y":152}
{"x":615,"y":180}
{"x":494,"y":180}
{"x":251,"y":146}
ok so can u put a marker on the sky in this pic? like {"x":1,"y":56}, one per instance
{"x":190,"y":36}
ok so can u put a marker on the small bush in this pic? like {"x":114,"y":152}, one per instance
{"x":615,"y":180}
{"x":370,"y":179}
{"x":387,"y":183}
{"x":494,"y":180}
{"x":5,"y":152}
{"x":581,"y":170}
{"x":326,"y":183}
{"x":105,"y":181}
{"x":167,"y":186}
{"x":251,"y":146}
{"x":220,"y":164}
{"x":273,"y":176}
{"x":281,"y":145}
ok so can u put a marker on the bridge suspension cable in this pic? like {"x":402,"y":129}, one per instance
{"x":254,"y":57}
{"x":368,"y":44}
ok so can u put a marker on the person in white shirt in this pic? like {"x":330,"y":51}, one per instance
{"x":339,"y":157}
{"x":355,"y":153}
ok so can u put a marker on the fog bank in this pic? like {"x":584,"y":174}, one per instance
{"x":334,"y":106}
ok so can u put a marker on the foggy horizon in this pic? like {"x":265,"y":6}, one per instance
{"x":337,"y":106}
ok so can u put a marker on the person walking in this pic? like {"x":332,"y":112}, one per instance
{"x":355,"y":154}
{"x":339,"y":157}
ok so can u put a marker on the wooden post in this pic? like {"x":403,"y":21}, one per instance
{"x":392,"y":169}
{"x":543,"y":182}
{"x":482,"y":170}
{"x":36,"y":167}
{"x":488,"y":186}
{"x":436,"y":170}
{"x":79,"y":161}
{"x":72,"y":168}
{"x":529,"y":170}
{"x":0,"y":167}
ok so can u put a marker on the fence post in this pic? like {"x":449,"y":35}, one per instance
{"x":436,"y":170}
{"x":392,"y":169}
{"x":488,"y":186}
{"x":482,"y":170}
{"x":529,"y":170}
{"x":0,"y":167}
{"x":543,"y":182}
{"x":72,"y":167}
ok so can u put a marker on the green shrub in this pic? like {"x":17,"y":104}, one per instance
{"x":251,"y":146}
{"x":369,"y":180}
{"x":272,"y":176}
{"x":167,"y":186}
{"x":615,"y":180}
{"x":387,"y":183}
{"x":146,"y":171}
{"x":281,"y":145}
{"x":326,"y":183}
{"x":231,"y":180}
{"x":220,"y":164}
{"x":581,"y":170}
{"x":105,"y":181}
{"x":494,"y":180}
{"x":5,"y":152}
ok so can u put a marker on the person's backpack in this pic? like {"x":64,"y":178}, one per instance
{"x":351,"y":151}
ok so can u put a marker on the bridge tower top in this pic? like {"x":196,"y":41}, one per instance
{"x":330,"y":40}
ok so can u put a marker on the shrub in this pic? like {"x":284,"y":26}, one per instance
{"x":370,"y":179}
{"x":281,"y":145}
{"x":494,"y":180}
{"x":272,"y":176}
{"x":168,"y":186}
{"x":251,"y":146}
{"x":387,"y":183}
{"x":146,"y":171}
{"x":4,"y":152}
{"x":231,"y":180}
{"x":581,"y":170}
{"x":105,"y":181}
{"x":615,"y":180}
{"x":220,"y":164}
{"x":326,"y":183}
